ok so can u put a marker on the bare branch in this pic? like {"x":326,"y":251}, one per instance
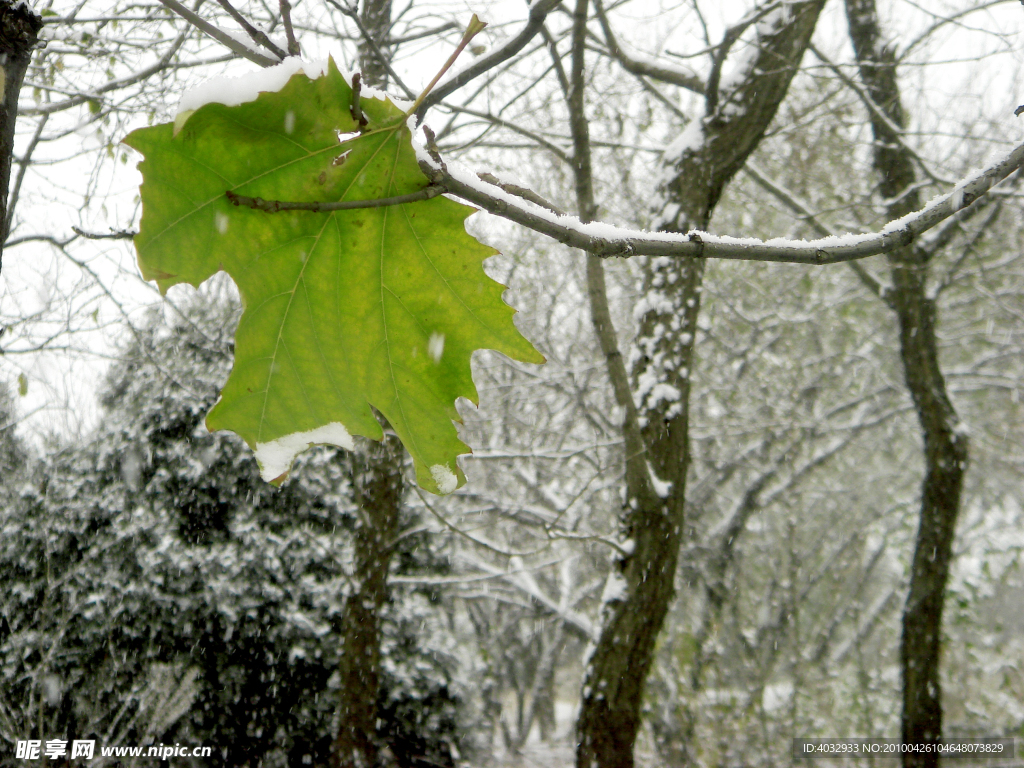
{"x":353,"y":14}
{"x":258,"y":36}
{"x":879,"y":114}
{"x":721,"y":51}
{"x":425,"y":33}
{"x":12,"y":200}
{"x":164,"y":62}
{"x":689,"y":80}
{"x":466,"y":535}
{"x":943,"y":20}
{"x":804,"y":213}
{"x":274,"y":206}
{"x":523,"y":192}
{"x":289,"y":31}
{"x":968,"y":249}
{"x":219,"y":35}
{"x":538,"y":12}
{"x":548,"y":145}
{"x":115,"y":234}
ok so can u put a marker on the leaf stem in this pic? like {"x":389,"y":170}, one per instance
{"x":273,"y":206}
{"x":475,"y":27}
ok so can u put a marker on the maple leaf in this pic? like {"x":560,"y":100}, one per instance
{"x":343,"y":310}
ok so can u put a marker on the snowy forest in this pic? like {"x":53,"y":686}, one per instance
{"x":766,"y":484}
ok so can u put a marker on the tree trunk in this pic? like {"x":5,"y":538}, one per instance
{"x":377,"y":488}
{"x":375,"y":16}
{"x":735,"y":120}
{"x":945,"y":442}
{"x":19,"y":30}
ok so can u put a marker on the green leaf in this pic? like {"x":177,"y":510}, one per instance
{"x":22,"y":384}
{"x":344,"y":310}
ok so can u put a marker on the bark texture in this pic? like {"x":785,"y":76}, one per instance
{"x":19,"y":31}
{"x":696,"y":172}
{"x":945,"y":442}
{"x":377,"y":488}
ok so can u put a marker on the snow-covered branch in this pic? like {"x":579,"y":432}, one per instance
{"x":607,"y":240}
{"x":638,"y":64}
{"x":522,"y":579}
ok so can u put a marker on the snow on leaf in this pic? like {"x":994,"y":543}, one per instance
{"x":336,"y":304}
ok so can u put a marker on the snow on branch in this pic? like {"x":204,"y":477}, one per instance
{"x":606,"y":240}
{"x":638,"y":64}
{"x":520,"y":578}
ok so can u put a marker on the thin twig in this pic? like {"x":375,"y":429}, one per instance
{"x":688,"y":80}
{"x":164,"y":62}
{"x":273,"y":206}
{"x":425,"y":33}
{"x":37,"y":239}
{"x":948,"y":278}
{"x":258,"y":36}
{"x":219,"y":35}
{"x":374,"y":48}
{"x":538,"y":12}
{"x":877,"y":111}
{"x":115,"y":234}
{"x":553,"y":148}
{"x":26,"y":159}
{"x":474,"y":28}
{"x":523,"y":192}
{"x":479,"y":542}
{"x":803,"y":212}
{"x":289,"y":31}
{"x":354,"y":109}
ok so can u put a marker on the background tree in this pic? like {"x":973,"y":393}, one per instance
{"x":160,"y":590}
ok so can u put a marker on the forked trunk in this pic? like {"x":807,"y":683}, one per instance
{"x":642,"y":586}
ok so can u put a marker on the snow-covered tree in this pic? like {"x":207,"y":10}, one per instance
{"x":158,"y":588}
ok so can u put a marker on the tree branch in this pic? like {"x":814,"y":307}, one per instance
{"x":274,"y":206}
{"x":804,"y":213}
{"x":553,"y":148}
{"x":688,"y":80}
{"x":606,"y":240}
{"x":968,"y":249}
{"x":219,"y":35}
{"x":258,"y":36}
{"x":539,"y":12}
{"x":12,"y":199}
{"x":721,"y":51}
{"x":289,"y":30}
{"x":378,"y":54}
{"x":878,"y":113}
{"x":19,"y":33}
{"x":114,"y":234}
